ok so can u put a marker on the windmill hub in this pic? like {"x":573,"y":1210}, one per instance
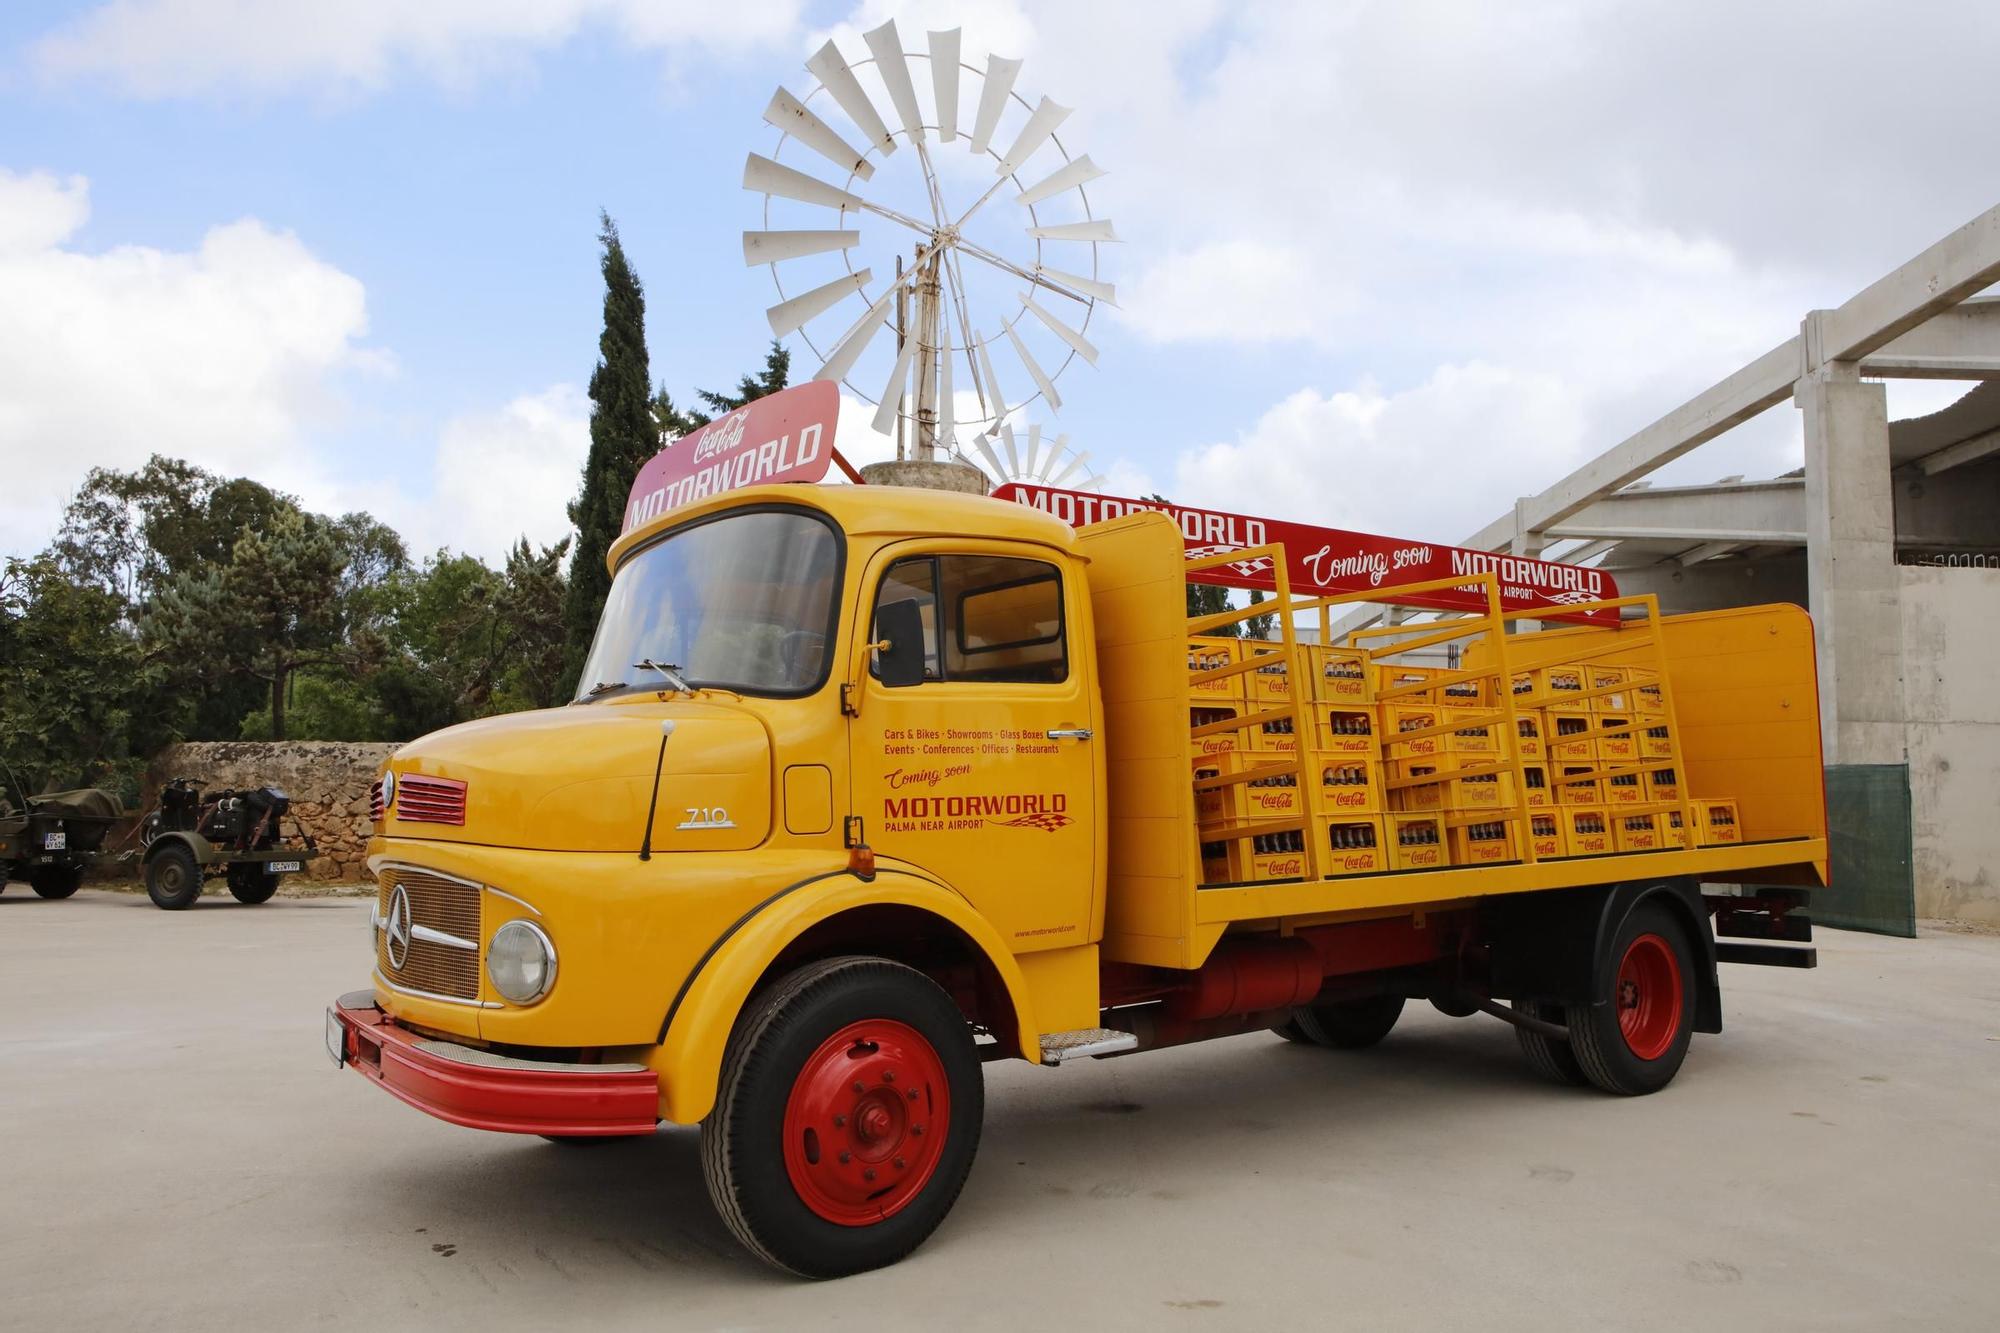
{"x":1004,"y":275}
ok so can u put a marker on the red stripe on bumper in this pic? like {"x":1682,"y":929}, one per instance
{"x":510,"y":1098}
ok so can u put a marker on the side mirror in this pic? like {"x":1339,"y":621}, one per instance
{"x":899,"y":656}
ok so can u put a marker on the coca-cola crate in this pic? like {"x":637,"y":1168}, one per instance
{"x":1655,"y":742}
{"x":1637,"y":833}
{"x":1604,"y":677}
{"x":1489,"y":843}
{"x":1340,"y":675}
{"x":1617,"y":749}
{"x":1346,"y":731}
{"x":1271,"y":679}
{"x":1550,"y":685}
{"x":1716,"y":822}
{"x":1537,"y":790}
{"x":1417,"y":842}
{"x":1275,"y":796}
{"x":1207,"y":654}
{"x":1573,"y":790}
{"x":1586,"y":830}
{"x":1474,"y":693}
{"x":1276,"y":856}
{"x":1672,"y":831}
{"x":1277,"y":735}
{"x":1218,"y":863}
{"x":1472,"y":738}
{"x":1411,"y":717}
{"x":1353,"y":847}
{"x":1217,"y":805}
{"x":1348,"y":785}
{"x":1570,"y":724}
{"x":1529,"y":727}
{"x":1396,"y":677}
{"x":1222,"y":742}
{"x":1646,"y":695}
{"x":1545,"y":835}
{"x":1481,"y":791}
{"x":1624,"y":789}
{"x":1664,"y":785}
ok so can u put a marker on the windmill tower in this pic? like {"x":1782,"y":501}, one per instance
{"x":974,"y":252}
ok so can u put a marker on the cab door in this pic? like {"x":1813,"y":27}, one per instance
{"x":987,"y":772}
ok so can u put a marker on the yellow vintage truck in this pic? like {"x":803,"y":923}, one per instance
{"x":865,"y":786}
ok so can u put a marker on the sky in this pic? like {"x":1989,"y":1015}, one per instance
{"x":1380,"y":265}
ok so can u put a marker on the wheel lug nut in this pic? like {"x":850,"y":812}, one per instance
{"x":888,"y":1076}
{"x":913,"y":1094}
{"x":899,"y":1164}
{"x":839,"y":1120}
{"x":868,"y":1174}
{"x":918,"y":1130}
{"x":859,"y":1086}
{"x":846,"y":1157}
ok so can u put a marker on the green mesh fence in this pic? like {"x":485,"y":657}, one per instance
{"x":1868,"y":832}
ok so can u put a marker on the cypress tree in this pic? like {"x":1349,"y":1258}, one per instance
{"x":622,"y":437}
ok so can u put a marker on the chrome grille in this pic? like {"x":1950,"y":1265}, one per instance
{"x":442,"y":904}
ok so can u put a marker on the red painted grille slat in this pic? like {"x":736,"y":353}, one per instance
{"x":430,"y":800}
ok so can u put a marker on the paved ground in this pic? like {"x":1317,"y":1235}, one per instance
{"x":180,"y":1154}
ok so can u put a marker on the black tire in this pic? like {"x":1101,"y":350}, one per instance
{"x":251,"y":884}
{"x":56,"y":881}
{"x":1550,"y":1057}
{"x":1289,"y":1030}
{"x":783,"y":1035}
{"x":1348,"y":1025}
{"x":173,"y":880}
{"x":1632,"y":1057}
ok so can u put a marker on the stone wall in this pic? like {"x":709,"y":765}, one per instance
{"x":327,"y":781}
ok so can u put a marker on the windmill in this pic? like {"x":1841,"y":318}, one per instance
{"x":971,"y":245}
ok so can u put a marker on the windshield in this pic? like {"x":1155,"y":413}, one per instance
{"x":745,"y":602}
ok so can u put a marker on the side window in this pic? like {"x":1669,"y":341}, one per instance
{"x":914,"y":581}
{"x":986,"y":617}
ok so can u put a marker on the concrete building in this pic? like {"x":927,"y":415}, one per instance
{"x":1890,"y":535}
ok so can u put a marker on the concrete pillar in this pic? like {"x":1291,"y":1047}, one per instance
{"x":1851,"y":580}
{"x":932,"y":474}
{"x":1531,"y":545}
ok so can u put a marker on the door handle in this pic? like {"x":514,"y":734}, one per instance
{"x":1071,"y":733}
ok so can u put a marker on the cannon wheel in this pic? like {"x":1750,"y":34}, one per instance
{"x":56,"y":881}
{"x":173,"y":880}
{"x":251,"y":883}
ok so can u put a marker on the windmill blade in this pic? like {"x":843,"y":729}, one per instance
{"x":895,"y":72}
{"x":833,"y":73}
{"x":789,"y":316}
{"x":1034,"y":448}
{"x":944,"y":82}
{"x":792,"y":116}
{"x":1091,"y":484}
{"x":1000,"y":76}
{"x":1035,"y":371}
{"x":1081,"y":457}
{"x":1076,"y":282}
{"x":1013,"y":454}
{"x":992,"y":459}
{"x":998,"y":401}
{"x":1099,"y":230}
{"x":767,"y":177}
{"x":768,"y":247}
{"x":848,"y":350}
{"x":890,"y":407}
{"x":1033,"y":135}
{"x":1055,"y":453}
{"x":1083,"y":346}
{"x":1075,"y":172}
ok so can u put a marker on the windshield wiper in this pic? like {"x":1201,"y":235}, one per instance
{"x":668,"y":669}
{"x":603,"y":685}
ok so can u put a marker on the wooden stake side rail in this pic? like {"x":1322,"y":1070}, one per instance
{"x":1640,"y":635}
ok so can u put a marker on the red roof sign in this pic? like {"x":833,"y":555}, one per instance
{"x":1323,"y":561}
{"x":786,"y":436}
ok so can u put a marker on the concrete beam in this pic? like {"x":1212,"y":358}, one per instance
{"x":1880,"y":366}
{"x":1958,"y":455}
{"x":1773,"y":505}
{"x":1971,"y":329}
{"x":1709,"y":551}
{"x":1692,"y":536}
{"x":1939,"y":278}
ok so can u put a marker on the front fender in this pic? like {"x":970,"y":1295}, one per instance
{"x":697,"y":1028}
{"x":202,"y":849}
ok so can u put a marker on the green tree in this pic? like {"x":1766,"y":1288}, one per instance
{"x":776,"y":375}
{"x":275,"y":608}
{"x":71,"y":703}
{"x":623,"y":435}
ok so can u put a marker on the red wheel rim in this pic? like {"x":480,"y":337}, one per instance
{"x":1649,"y":996}
{"x":866,"y":1122}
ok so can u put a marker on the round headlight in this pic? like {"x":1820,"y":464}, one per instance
{"x":521,"y":962}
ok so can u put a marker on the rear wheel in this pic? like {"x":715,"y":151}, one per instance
{"x":1633,"y":1039}
{"x":1548,"y":1056}
{"x":56,"y":881}
{"x":1347,"y":1025}
{"x":847,"y":1118}
{"x":251,"y":883}
{"x":173,"y":880}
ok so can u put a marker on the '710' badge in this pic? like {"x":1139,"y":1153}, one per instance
{"x":706,"y":816}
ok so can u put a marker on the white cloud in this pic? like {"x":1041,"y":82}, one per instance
{"x":502,"y":475}
{"x":170,"y":48}
{"x":1432,"y":461}
{"x":220,"y":355}
{"x":1235,"y":291}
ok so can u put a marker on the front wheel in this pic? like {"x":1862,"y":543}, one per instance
{"x":847,"y":1118}
{"x":173,"y":880}
{"x":1633,"y":1039}
{"x":56,"y":881}
{"x":251,"y":883}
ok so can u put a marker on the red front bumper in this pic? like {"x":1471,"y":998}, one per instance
{"x":486,"y":1091}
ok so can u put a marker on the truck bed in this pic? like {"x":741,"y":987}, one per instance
{"x":1746,"y":713}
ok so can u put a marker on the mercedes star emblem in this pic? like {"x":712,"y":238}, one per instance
{"x":398,"y":927}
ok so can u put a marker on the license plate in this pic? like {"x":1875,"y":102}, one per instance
{"x":280,"y":867}
{"x":54,"y":842}
{"x":336,"y":1040}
